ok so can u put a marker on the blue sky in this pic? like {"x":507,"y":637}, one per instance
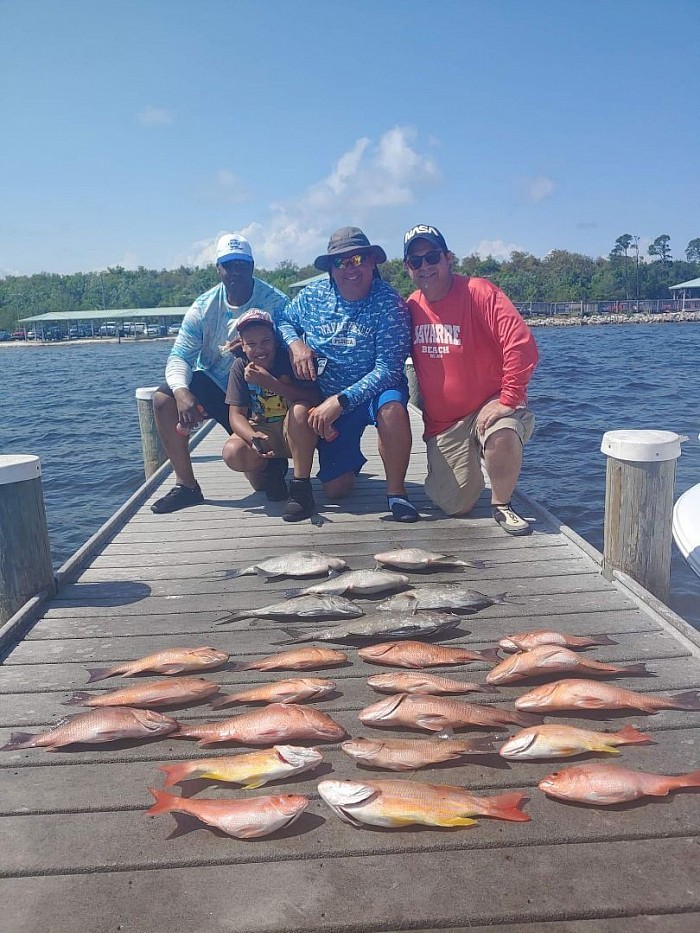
{"x":134,"y":133}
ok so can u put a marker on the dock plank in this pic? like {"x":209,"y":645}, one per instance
{"x":83,"y":856}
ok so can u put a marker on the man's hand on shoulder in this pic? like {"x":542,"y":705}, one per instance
{"x":302,"y":358}
{"x":491,"y":413}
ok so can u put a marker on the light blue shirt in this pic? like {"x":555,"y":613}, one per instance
{"x":207,"y":326}
{"x":366,"y":342}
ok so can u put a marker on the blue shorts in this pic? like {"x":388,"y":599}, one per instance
{"x":343,"y":455}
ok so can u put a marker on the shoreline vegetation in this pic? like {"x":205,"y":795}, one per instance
{"x":561,"y":320}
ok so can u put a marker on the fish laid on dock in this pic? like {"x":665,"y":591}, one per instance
{"x":281,"y":691}
{"x":244,"y":819}
{"x":560,"y":741}
{"x":154,"y":693}
{"x":525,"y":641}
{"x":99,"y":725}
{"x":417,"y":654}
{"x":319,"y":608}
{"x":170,"y":661}
{"x":401,"y":682}
{"x":296,"y":564}
{"x":250,"y":769}
{"x":394,"y":804}
{"x":449,"y":596}
{"x":605,"y":785}
{"x":415,"y":558}
{"x":423,"y":711}
{"x":384,"y":625}
{"x":567,"y":695}
{"x":298,"y":659}
{"x":411,"y":754}
{"x":357,"y":582}
{"x":553,"y":659}
{"x":277,"y":722}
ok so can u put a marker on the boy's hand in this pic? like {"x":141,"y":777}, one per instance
{"x":261,"y":445}
{"x":259,"y":376}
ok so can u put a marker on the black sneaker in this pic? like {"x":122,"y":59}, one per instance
{"x":179,"y":497}
{"x":275,"y":483}
{"x":300,"y":504}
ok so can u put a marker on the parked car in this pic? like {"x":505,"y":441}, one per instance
{"x":108,"y":330}
{"x":78,"y":331}
{"x":17,"y":335}
{"x":173,"y":330}
{"x":4,"y":335}
{"x":154,"y":330}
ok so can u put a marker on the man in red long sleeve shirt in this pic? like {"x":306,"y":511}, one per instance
{"x":473,"y":356}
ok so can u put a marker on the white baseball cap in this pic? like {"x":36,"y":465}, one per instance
{"x":233,"y":246}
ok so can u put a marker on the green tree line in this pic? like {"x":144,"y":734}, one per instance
{"x":559,"y":276}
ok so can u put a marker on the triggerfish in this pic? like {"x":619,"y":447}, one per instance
{"x":244,"y":819}
{"x":606,"y":785}
{"x":560,"y":741}
{"x":250,"y":769}
{"x":398,"y":803}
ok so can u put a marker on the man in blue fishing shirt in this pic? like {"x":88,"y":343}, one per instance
{"x":196,"y":374}
{"x":351,"y":334}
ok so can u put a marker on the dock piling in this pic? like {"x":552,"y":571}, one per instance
{"x":641,"y":470}
{"x":25,"y":553}
{"x":153,"y":453}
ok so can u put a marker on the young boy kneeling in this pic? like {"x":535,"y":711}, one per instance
{"x":261,"y":391}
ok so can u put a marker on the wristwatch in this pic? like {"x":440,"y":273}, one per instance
{"x":343,"y":401}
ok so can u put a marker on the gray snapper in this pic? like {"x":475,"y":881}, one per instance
{"x":384,"y":625}
{"x":415,"y":558}
{"x":357,"y":582}
{"x":320,"y":608}
{"x":296,"y":564}
{"x":449,"y":596}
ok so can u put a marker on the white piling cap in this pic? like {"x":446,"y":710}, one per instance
{"x":642,"y":446}
{"x":17,"y":468}
{"x":146,"y":393}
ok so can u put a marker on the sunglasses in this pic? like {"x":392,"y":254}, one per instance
{"x":348,"y":262}
{"x":432,"y":259}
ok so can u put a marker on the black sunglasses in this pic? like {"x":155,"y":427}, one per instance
{"x":432,"y":258}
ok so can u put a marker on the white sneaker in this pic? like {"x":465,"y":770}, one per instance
{"x":509,"y":520}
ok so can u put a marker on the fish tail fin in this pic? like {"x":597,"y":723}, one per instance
{"x":688,"y":700}
{"x":490,"y":654}
{"x":633,"y":736}
{"x":488,"y":688}
{"x":163,"y":801}
{"x":234,"y":574}
{"x":224,"y":620}
{"x":692,"y":779}
{"x":295,"y":591}
{"x":527,"y":719}
{"x":507,"y":807}
{"x":294,"y":637}
{"x":78,"y":699}
{"x":100,"y":673}
{"x":18,"y":740}
{"x":604,"y":640}
{"x":176,"y":773}
{"x":500,"y":598}
{"x":636,"y":669}
{"x":485,"y":743}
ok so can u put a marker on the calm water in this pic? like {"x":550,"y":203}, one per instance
{"x":74,"y":406}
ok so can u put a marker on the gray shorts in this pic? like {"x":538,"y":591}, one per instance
{"x":455,"y":480}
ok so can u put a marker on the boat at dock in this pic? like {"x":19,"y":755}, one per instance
{"x":686,"y":526}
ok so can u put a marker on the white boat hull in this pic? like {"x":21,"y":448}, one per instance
{"x":686,"y":526}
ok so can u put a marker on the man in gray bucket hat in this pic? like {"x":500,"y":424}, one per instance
{"x":351,"y":334}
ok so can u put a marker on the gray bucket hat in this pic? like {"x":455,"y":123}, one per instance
{"x":347,"y":240}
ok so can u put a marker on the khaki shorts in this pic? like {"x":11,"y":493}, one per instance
{"x":276,"y":434}
{"x":455,"y":480}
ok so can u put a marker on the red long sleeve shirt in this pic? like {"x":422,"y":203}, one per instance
{"x":470,"y":346}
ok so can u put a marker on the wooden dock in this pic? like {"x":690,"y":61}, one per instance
{"x":78,"y":854}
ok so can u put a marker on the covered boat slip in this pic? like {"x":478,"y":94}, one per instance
{"x":78,"y":854}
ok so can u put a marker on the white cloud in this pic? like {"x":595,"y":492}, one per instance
{"x":156,"y":116}
{"x":368,"y":177}
{"x":498,"y":249}
{"x":539,"y":188}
